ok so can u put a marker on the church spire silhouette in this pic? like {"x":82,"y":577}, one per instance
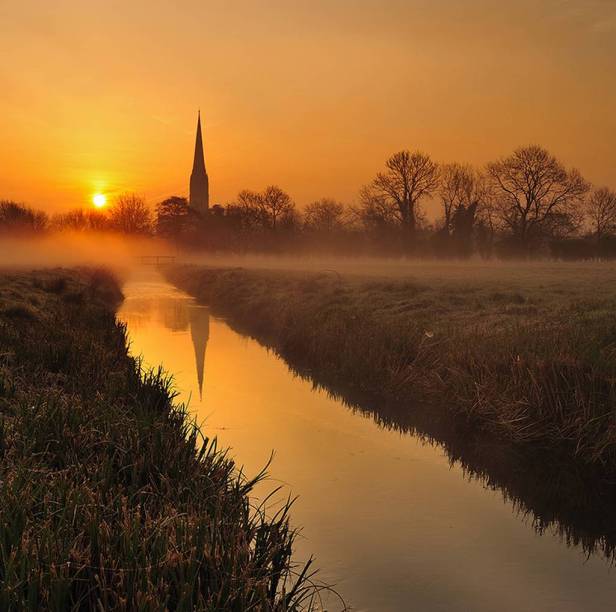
{"x":199,"y":183}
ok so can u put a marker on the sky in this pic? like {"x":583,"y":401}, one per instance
{"x":102,"y":96}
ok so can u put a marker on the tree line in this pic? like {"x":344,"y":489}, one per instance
{"x":526,"y":204}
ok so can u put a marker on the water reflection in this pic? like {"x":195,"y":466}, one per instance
{"x":199,"y":317}
{"x":179,"y":314}
{"x":552,"y":492}
{"x":390,"y":518}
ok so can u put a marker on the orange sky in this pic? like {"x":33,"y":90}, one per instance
{"x":312,"y":95}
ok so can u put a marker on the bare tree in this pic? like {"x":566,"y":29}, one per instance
{"x":601,"y":210}
{"x":375,"y":210}
{"x":81,"y":220}
{"x":325,"y":215}
{"x":266,"y":210}
{"x":409,"y":178}
{"x":486,"y":224}
{"x":276,"y":205}
{"x":461,"y":186}
{"x":535,"y":196}
{"x":17,"y":218}
{"x":247,"y":210}
{"x":131,"y":215}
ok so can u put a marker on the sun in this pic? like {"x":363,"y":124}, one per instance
{"x":99,"y":200}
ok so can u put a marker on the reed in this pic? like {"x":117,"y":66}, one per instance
{"x":110,"y":497}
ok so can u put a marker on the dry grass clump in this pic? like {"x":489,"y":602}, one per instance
{"x":110,"y":498}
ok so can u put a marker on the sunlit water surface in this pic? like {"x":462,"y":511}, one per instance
{"x":386,"y":517}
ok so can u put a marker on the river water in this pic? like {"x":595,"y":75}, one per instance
{"x":387,"y":518}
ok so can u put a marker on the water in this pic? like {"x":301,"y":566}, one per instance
{"x":386,"y":516}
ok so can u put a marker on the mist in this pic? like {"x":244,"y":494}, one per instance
{"x":122,"y":254}
{"x":68,"y":249}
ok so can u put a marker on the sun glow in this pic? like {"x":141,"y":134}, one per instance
{"x":99,"y":200}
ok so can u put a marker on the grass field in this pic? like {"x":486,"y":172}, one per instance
{"x":525,"y":352}
{"x":110,"y":499}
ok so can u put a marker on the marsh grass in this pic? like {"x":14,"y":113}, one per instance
{"x":530,"y":360}
{"x":110,"y":496}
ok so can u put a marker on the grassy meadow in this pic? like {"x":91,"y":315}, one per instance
{"x":110,"y":497}
{"x":523,"y":352}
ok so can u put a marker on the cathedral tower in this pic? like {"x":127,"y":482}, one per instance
{"x":199,"y":183}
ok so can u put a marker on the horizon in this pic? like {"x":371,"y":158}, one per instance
{"x":283,"y":96}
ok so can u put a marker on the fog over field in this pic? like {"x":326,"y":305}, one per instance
{"x":120,"y":252}
{"x":76,"y":249}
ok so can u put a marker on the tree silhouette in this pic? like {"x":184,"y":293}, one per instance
{"x":460,"y":186}
{"x":276,"y":205}
{"x":81,"y":221}
{"x":130,"y":215}
{"x":601,"y":210}
{"x":325,"y":216}
{"x":19,"y":219}
{"x":175,"y":218}
{"x":535,"y":196}
{"x":265,"y":210}
{"x":409,"y":178}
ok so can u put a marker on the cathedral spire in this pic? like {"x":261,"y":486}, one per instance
{"x":199,"y":183}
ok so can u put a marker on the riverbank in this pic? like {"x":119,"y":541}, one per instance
{"x":528,"y":360}
{"x":106,"y":503}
